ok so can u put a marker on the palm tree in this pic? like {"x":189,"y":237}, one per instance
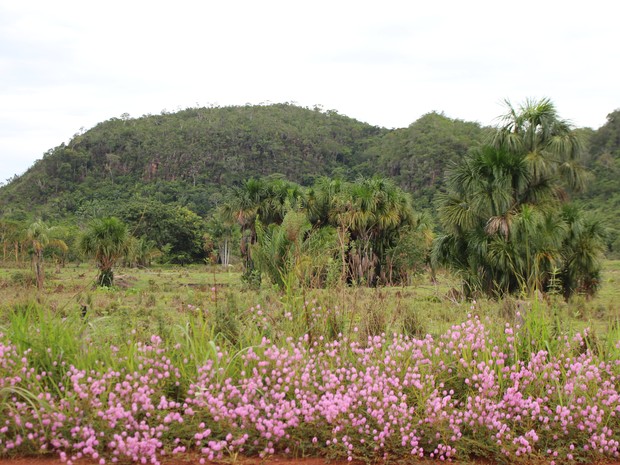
{"x":501,"y":212}
{"x":10,"y":232}
{"x":140,"y":252}
{"x":38,"y":237}
{"x":546,"y":142}
{"x":106,"y":239}
{"x":320,"y":202}
{"x":266,"y":199}
{"x":294,"y":249}
{"x":581,"y":250}
{"x":373,"y":212}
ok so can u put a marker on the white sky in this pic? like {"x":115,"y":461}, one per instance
{"x":66,"y":65}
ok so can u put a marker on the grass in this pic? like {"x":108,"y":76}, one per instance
{"x":161,"y":296}
{"x":192,"y":317}
{"x":211,"y":304}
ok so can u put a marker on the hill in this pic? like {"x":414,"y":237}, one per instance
{"x":417,"y":156}
{"x":603,"y":194}
{"x":189,"y":157}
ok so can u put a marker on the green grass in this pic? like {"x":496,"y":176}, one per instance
{"x":161,"y":299}
{"x":196,"y":323}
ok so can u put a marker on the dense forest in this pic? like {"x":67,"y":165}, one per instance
{"x":171,"y":177}
{"x":187,"y":157}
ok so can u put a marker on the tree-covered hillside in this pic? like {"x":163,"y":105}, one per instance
{"x":187,"y":157}
{"x":603,"y":194}
{"x":417,"y":156}
{"x":191,"y":158}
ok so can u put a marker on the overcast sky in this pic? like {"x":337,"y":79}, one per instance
{"x":67,"y":65}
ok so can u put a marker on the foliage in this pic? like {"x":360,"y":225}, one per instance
{"x":504,"y":230}
{"x":524,"y":390}
{"x":187,"y":157}
{"x":581,"y":250}
{"x":298,"y":233}
{"x":223,"y":235}
{"x":371,"y":216}
{"x":265,"y":200}
{"x":416,"y":157}
{"x":141,"y":252}
{"x":191,"y":158}
{"x":174,"y":230}
{"x":39,"y":238}
{"x":603,"y":196}
{"x":106,"y":239}
{"x":293,"y":250}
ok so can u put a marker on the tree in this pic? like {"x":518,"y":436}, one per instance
{"x":374,"y":212}
{"x":415,"y":157}
{"x":294,"y":252}
{"x":371,"y":216}
{"x":222,"y":234}
{"x":603,"y":197}
{"x":105,"y":239}
{"x":38,"y":237}
{"x":11,"y":233}
{"x":504,"y":232}
{"x":140,"y":252}
{"x":267,"y":200}
{"x":581,"y":249}
{"x":175,"y":230}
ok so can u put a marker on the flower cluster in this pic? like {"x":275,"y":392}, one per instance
{"x":386,"y":397}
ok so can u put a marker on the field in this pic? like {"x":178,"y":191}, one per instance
{"x":186,"y":360}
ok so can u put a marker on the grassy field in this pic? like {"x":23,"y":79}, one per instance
{"x":176,"y":359}
{"x":164,"y":295}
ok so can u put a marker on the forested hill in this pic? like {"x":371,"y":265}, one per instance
{"x":417,"y":156}
{"x":603,"y":194}
{"x":189,"y":156}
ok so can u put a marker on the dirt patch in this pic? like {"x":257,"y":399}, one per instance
{"x":124,"y":281}
{"x":179,"y":460}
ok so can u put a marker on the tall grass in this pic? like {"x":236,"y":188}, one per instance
{"x":360,"y":373}
{"x":352,"y":386}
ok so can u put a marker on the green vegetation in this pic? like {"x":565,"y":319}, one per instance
{"x":507,"y":230}
{"x":602,"y":197}
{"x":38,"y":238}
{"x":416,"y":157}
{"x":263,"y":285}
{"x":163,"y":349}
{"x":105,"y":239}
{"x":185,"y":158}
{"x":216,"y":184}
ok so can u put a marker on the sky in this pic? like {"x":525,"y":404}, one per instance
{"x":67,"y":65}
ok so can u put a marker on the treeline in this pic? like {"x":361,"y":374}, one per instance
{"x":189,"y":156}
{"x":299,"y":194}
{"x":362,"y":232}
{"x":602,"y":195}
{"x":508,"y":224}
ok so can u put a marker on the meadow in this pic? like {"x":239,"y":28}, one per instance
{"x":177,"y":360}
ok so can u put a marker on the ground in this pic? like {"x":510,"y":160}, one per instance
{"x":189,"y":460}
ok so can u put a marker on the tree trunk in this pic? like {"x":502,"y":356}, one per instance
{"x":343,"y":256}
{"x":106,"y":278}
{"x":39,"y":272}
